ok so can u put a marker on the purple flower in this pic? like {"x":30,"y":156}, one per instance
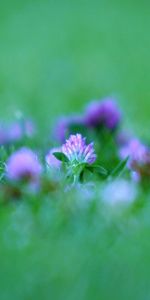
{"x":29,"y":128}
{"x":19,"y":130}
{"x":136,"y":151}
{"x":77,"y":151}
{"x":3,"y":135}
{"x":75,"y":120}
{"x":123,"y":138}
{"x":103,"y":113}
{"x":23,"y":164}
{"x":62,"y":128}
{"x":139,"y":159}
{"x":15,"y":132}
{"x":51,"y":160}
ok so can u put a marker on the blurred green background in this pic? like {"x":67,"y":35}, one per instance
{"x":57,"y":55}
{"x":54,"y":57}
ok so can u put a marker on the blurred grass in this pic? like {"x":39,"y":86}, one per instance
{"x":61,"y":253}
{"x":54,"y":57}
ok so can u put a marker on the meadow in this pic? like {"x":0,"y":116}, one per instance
{"x":56,"y":56}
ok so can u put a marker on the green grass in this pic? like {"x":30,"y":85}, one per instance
{"x":54,"y":57}
{"x":63,"y":251}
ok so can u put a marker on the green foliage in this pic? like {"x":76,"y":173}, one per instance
{"x":54,"y":56}
{"x":61,"y":156}
{"x":99,"y":170}
{"x":118,"y":170}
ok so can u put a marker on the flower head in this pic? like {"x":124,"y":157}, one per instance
{"x":123,"y":138}
{"x":119,"y":191}
{"x":64,"y":126}
{"x":139,"y":157}
{"x":77,"y":151}
{"x":104,"y":113}
{"x":3,"y":135}
{"x":136,"y":151}
{"x":15,"y":132}
{"x":19,"y":130}
{"x":60,"y":129}
{"x":23,"y":164}
{"x":29,"y":128}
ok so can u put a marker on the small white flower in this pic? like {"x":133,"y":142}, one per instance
{"x":119,"y":191}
